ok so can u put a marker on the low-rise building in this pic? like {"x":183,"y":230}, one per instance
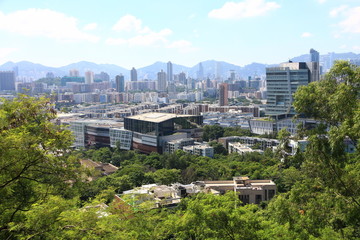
{"x":237,"y":147}
{"x":262,"y":143}
{"x":202,"y":150}
{"x":101,"y":169}
{"x":155,"y":196}
{"x":172,"y":146}
{"x":249,"y":191}
{"x":271,"y":125}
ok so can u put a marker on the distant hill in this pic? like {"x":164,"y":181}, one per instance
{"x":34,"y":71}
{"x":150,"y":72}
{"x":30,"y":70}
{"x":84,"y":66}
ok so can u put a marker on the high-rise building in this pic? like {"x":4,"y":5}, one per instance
{"x":7,"y":80}
{"x":182,"y":78}
{"x":133,"y":75}
{"x":172,"y":87}
{"x":201,"y":71}
{"x":223,"y":94}
{"x":314,"y":71}
{"x":102,"y":77}
{"x":314,"y":55}
{"x":74,"y":73}
{"x":50,"y":75}
{"x":218,"y":70}
{"x":208,"y":83}
{"x":232,"y":75}
{"x":89,"y":77}
{"x":314,"y":65}
{"x":120,"y":83}
{"x":16,"y":71}
{"x":161,"y":79}
{"x":283,"y":81}
{"x":170,"y":76}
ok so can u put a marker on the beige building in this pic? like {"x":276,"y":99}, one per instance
{"x":249,"y":191}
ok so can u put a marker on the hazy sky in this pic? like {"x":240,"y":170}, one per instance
{"x":138,"y":33}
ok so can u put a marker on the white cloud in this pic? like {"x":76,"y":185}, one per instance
{"x":321,"y":1}
{"x":148,"y":39}
{"x":245,"y":9}
{"x":182,"y":45}
{"x":116,"y":41}
{"x":45,"y":23}
{"x":128,"y":23}
{"x":357,"y":48}
{"x":336,"y":11}
{"x":306,"y":35}
{"x":90,"y":26}
{"x":143,"y":35}
{"x":351,"y":23}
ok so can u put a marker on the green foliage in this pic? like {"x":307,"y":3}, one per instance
{"x":50,"y":81}
{"x":218,"y":148}
{"x":102,"y":155}
{"x":165,"y":176}
{"x":236,"y":131}
{"x":212,"y":132}
{"x":324,"y":199}
{"x":33,"y":163}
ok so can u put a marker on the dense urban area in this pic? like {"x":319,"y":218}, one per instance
{"x":214,"y":154}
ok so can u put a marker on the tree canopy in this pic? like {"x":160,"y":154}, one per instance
{"x":32,"y":161}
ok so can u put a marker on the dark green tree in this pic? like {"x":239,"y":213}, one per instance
{"x":212,"y":132}
{"x":33,"y":159}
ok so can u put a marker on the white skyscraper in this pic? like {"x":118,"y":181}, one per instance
{"x":89,"y":77}
{"x":161,"y":79}
{"x":170,"y":77}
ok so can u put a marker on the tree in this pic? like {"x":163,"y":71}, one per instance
{"x":283,"y":149}
{"x":236,"y":131}
{"x":166,"y":176}
{"x":325,"y":200}
{"x":102,"y":155}
{"x":218,"y":148}
{"x":212,"y":132}
{"x":33,"y":161}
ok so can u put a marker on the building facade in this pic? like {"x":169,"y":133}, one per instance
{"x":223,"y":94}
{"x":161,"y":81}
{"x":89,"y":77}
{"x":151,"y":130}
{"x":283,"y":81}
{"x":133,"y":75}
{"x":7,"y":80}
{"x":169,"y":73}
{"x":120,"y":83}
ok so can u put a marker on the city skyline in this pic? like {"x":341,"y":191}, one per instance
{"x":134,"y":34}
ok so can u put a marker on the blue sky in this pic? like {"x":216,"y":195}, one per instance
{"x":138,"y":33}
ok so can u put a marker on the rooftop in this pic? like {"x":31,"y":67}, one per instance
{"x":157,"y":117}
{"x":100,"y":123}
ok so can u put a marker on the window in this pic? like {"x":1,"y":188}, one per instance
{"x":258,"y":199}
{"x":271,"y":194}
{"x":244,"y":199}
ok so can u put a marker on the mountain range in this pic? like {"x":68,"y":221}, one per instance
{"x":29,"y":70}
